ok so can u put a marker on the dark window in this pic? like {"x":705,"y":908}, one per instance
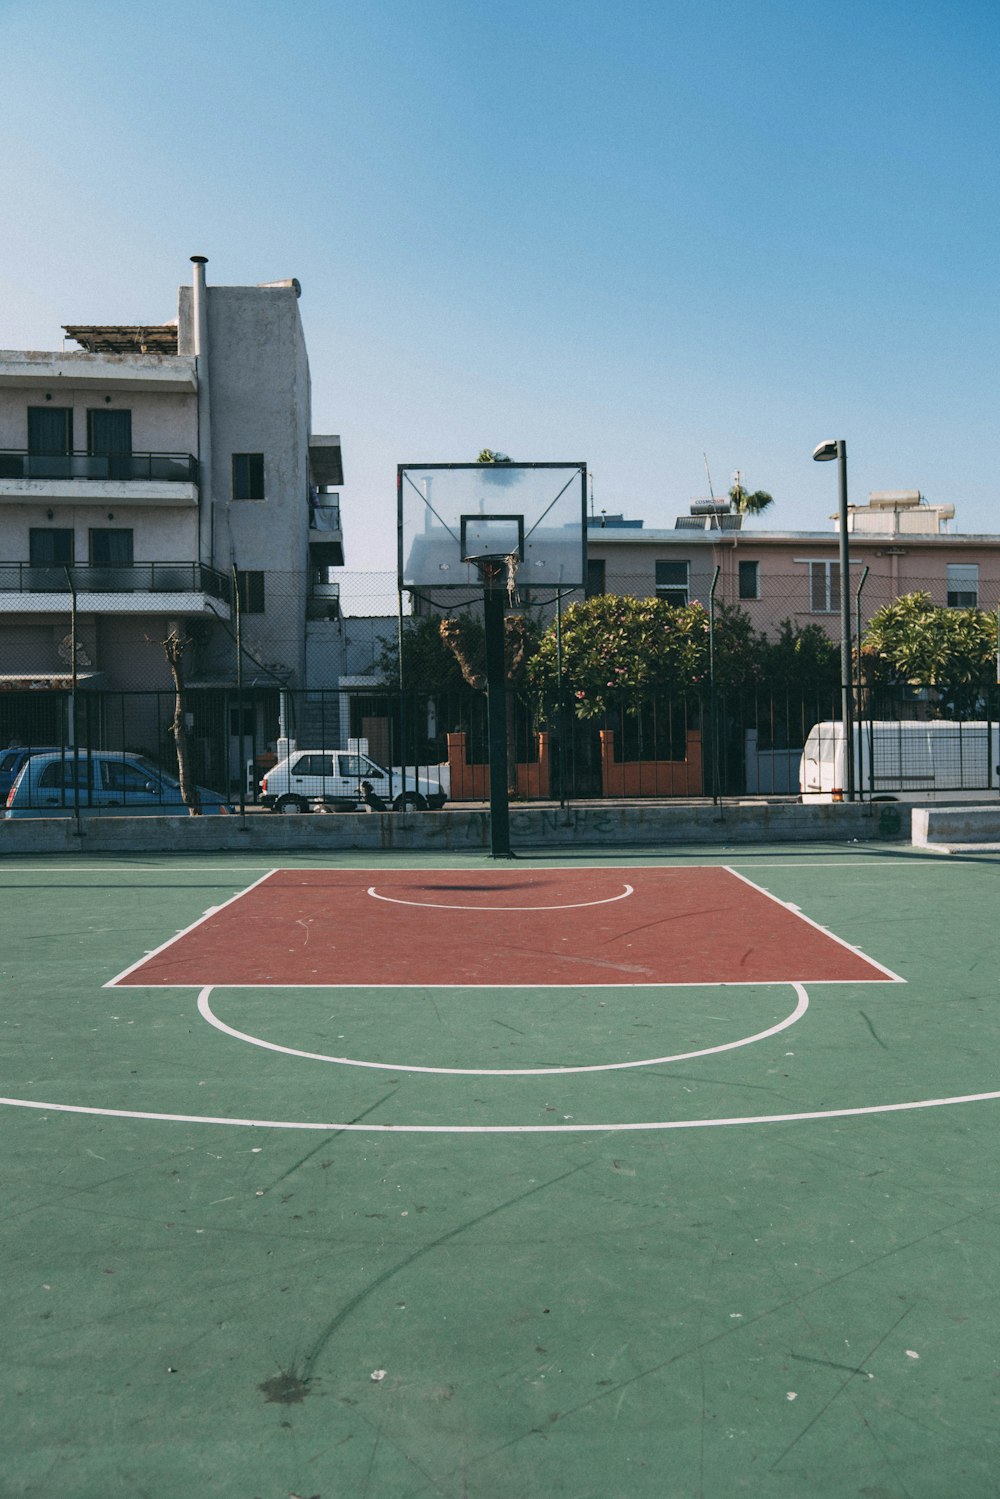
{"x":251,"y":592}
{"x":749,"y":580}
{"x":595,"y":576}
{"x":314,"y":765}
{"x":118,"y":776}
{"x":963,"y":585}
{"x":111,"y":547}
{"x":50,"y":429}
{"x":249,"y":717}
{"x":672,"y":582}
{"x":824,"y":587}
{"x":52,"y":548}
{"x":110,"y":433}
{"x":248,"y":476}
{"x":59,"y":774}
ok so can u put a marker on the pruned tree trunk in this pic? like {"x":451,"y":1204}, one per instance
{"x":174,"y":648}
{"x":515,"y":655}
{"x":453,"y":636}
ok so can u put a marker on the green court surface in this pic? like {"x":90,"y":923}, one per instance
{"x":656,"y":1240}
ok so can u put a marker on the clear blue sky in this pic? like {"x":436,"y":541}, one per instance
{"x":613,"y":230}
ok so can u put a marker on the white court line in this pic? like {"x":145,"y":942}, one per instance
{"x":428,"y":905}
{"x":504,"y":1129}
{"x":624,"y":983}
{"x":787,"y":906}
{"x":207,"y":1013}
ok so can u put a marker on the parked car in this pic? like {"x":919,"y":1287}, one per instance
{"x":332,"y":779}
{"x":12,"y":759}
{"x":53,"y":783}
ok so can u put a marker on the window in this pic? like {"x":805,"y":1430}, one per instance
{"x":314,"y":765}
{"x":248,"y":476}
{"x":354,"y":766}
{"x":119,"y":776}
{"x":672,"y":582}
{"x":111,"y":547}
{"x":824,"y":587}
{"x":749,"y":580}
{"x":250,"y":590}
{"x":50,"y":429}
{"x":963,"y":585}
{"x":595,"y":576}
{"x":109,"y":433}
{"x":52,"y":548}
{"x":58,"y":775}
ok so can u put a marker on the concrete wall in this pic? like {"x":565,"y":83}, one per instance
{"x":32,"y":644}
{"x":160,"y":534}
{"x":542,"y":828}
{"x":260,"y":403}
{"x":162,"y":421}
{"x":951,"y":827}
{"x":325,"y":653}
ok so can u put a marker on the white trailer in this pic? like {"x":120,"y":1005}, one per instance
{"x":936,"y":761}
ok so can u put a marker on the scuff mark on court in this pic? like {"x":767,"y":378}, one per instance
{"x":380,"y":1280}
{"x":853,"y":1374}
{"x":875,"y":1035}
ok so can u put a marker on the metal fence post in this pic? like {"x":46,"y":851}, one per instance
{"x":858,"y":706}
{"x":713,"y":714}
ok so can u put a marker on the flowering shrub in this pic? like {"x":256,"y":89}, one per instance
{"x":617,"y":647}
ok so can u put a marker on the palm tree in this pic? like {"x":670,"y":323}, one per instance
{"x":745,"y":502}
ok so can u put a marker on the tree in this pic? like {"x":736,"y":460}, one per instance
{"x":950,"y":651}
{"x":465,"y":637}
{"x":174,"y":648}
{"x":746,"y":502}
{"x":800,"y":663}
{"x":489,"y":455}
{"x":428,"y":664}
{"x":617,"y":651}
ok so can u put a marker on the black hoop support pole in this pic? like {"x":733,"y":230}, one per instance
{"x":496,"y":699}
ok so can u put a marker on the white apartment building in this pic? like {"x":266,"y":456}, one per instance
{"x":156,"y":478}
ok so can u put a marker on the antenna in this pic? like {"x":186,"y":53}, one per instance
{"x":708,"y":471}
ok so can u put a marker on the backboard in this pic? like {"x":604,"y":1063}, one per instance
{"x":451,"y":514}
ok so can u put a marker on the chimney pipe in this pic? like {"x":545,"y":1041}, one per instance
{"x":200,"y":320}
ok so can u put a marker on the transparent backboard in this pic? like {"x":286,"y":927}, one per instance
{"x":451,"y":514}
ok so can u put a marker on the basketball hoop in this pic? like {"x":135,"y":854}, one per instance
{"x":494,"y":566}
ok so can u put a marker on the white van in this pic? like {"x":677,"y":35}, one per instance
{"x":905,"y":761}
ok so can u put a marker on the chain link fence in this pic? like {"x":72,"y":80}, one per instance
{"x":254,"y":638}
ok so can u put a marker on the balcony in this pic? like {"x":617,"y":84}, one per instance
{"x":323,"y":601}
{"x":186,"y":588}
{"x":81,"y":478}
{"x":326,"y":539}
{"x":71,"y":369}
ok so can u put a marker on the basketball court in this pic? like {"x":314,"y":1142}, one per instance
{"x":593,"y":1176}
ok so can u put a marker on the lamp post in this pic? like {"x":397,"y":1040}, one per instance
{"x":823,"y":454}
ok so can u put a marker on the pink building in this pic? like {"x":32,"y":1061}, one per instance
{"x":795,"y":575}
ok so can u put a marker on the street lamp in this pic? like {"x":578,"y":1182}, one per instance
{"x":823,"y":454}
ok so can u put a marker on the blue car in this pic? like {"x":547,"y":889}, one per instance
{"x":55,"y":783}
{"x":12,"y":759}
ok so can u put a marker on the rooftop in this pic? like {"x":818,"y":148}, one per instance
{"x":161,"y":338}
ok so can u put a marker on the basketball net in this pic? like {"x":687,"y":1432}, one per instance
{"x":495,"y":568}
{"x":513,"y":597}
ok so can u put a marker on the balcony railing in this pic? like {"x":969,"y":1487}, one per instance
{"x":173,"y":468}
{"x":135,"y":577}
{"x":324,"y":517}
